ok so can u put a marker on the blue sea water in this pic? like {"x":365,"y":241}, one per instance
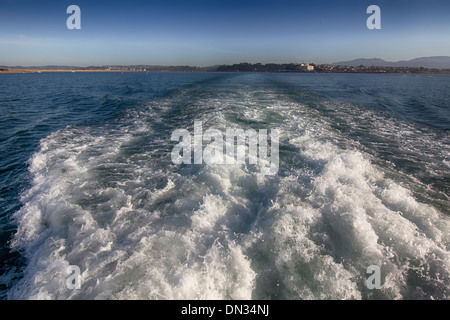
{"x":86,"y":179}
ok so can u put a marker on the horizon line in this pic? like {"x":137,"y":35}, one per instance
{"x":207,"y":66}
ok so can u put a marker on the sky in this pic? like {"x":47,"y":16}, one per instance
{"x":205,"y":33}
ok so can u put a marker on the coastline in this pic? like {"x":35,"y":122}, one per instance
{"x":50,"y":70}
{"x":235,"y":69}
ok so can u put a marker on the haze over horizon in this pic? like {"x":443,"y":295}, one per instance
{"x":205,"y":33}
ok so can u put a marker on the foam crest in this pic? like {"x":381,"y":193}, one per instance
{"x":371,"y":220}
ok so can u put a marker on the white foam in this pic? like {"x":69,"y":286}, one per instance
{"x":141,"y":228}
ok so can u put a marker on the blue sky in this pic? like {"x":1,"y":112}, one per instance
{"x":202,"y":33}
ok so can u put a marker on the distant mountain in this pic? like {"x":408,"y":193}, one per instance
{"x":427,"y":62}
{"x":438,"y":62}
{"x":363,"y":62}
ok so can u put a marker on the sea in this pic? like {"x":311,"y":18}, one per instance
{"x":358,"y":208}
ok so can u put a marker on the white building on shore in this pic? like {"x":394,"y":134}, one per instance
{"x":306,"y":67}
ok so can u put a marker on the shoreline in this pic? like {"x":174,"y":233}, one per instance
{"x":50,"y":70}
{"x":23,"y":71}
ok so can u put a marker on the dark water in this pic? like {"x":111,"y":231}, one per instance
{"x":86,"y":179}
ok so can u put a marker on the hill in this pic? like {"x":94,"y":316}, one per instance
{"x":437,"y":62}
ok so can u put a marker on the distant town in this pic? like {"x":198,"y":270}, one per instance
{"x":240,"y":67}
{"x":325,"y":68}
